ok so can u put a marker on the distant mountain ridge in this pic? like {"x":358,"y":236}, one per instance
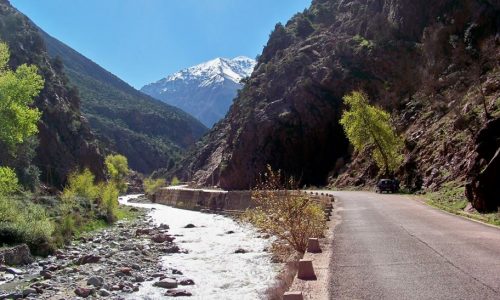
{"x":150,"y":133}
{"x":206,"y":90}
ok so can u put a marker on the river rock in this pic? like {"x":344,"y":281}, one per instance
{"x":189,"y":226}
{"x":177,"y":293}
{"x":96,"y":281}
{"x":240,"y":251}
{"x":161,"y":238}
{"x":46,"y":274}
{"x":142,"y":231}
{"x":88,"y":259}
{"x":171,"y":249}
{"x":164,"y":226}
{"x":14,"y":271}
{"x":83,"y":292}
{"x":14,"y":256}
{"x":104,"y":293}
{"x":166,"y":283}
{"x":186,"y":281}
{"x":29,"y":291}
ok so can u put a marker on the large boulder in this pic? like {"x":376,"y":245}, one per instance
{"x":483,"y":188}
{"x":18,"y":255}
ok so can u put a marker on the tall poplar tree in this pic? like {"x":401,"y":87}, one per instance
{"x":369,"y":127}
{"x":18,"y":120}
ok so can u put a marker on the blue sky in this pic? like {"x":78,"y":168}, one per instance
{"x":142,"y":41}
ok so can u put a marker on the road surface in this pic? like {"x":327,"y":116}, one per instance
{"x":392,"y":247}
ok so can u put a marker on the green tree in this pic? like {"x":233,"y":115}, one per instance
{"x":17,"y":90}
{"x":369,"y":127}
{"x":8,"y":181}
{"x":109,"y":200}
{"x":117,"y":169}
{"x":151,"y":185}
{"x":80,"y":185}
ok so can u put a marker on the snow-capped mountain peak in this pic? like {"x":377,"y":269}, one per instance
{"x":216,"y":70}
{"x":205,"y":90}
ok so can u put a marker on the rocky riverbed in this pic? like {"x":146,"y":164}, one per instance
{"x":109,"y":263}
{"x":146,"y":259}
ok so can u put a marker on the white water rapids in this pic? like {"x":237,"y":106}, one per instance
{"x":217,"y":271}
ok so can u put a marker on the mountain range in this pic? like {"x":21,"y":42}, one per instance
{"x":207,"y":90}
{"x":150,"y":133}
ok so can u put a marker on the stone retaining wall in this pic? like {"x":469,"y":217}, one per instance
{"x":215,"y":200}
{"x":204,"y":199}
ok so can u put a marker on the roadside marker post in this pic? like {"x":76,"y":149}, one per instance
{"x":313,"y":246}
{"x":293,"y":296}
{"x":306,"y":270}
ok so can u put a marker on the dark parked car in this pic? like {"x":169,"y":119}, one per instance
{"x":387,"y":185}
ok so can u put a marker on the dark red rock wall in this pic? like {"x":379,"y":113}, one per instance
{"x":413,"y":58}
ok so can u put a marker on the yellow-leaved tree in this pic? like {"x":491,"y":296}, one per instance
{"x":369,"y":127}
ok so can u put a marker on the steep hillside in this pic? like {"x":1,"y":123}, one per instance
{"x":151,"y":134}
{"x":65,"y":140}
{"x":206,"y":90}
{"x":430,"y":63}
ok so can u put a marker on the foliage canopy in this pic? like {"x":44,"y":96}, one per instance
{"x":152,"y":185}
{"x":17,"y":91}
{"x":369,"y":127}
{"x":8,"y":181}
{"x":117,"y":169}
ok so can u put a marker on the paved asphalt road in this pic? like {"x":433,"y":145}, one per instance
{"x":391,"y":247}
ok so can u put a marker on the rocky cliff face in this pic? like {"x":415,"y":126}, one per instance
{"x":65,"y":140}
{"x":430,"y":63}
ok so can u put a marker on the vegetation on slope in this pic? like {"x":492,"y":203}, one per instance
{"x":64,"y":141}
{"x":150,"y":133}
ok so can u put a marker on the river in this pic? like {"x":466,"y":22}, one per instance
{"x":217,"y":271}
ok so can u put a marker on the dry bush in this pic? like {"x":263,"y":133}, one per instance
{"x":284,"y":212}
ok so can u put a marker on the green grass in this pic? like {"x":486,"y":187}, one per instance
{"x":127,"y":213}
{"x":451,"y":198}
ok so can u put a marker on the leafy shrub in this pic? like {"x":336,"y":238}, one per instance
{"x":175,"y":181}
{"x":109,"y":201}
{"x":285,"y":213}
{"x":151,"y":185}
{"x":117,"y":170}
{"x":25,"y":223}
{"x":363,"y":43}
{"x":8,"y":181}
{"x":80,"y":185}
